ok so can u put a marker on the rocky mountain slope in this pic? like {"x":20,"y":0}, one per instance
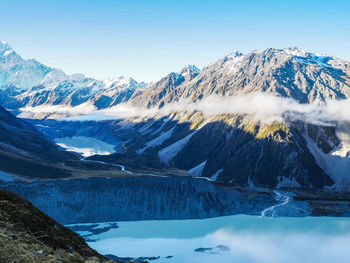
{"x":233,"y":149}
{"x":28,"y":235}
{"x":24,"y":150}
{"x":228,"y":147}
{"x":238,"y":150}
{"x":289,"y":72}
{"x":25,"y":153}
{"x":167,"y":85}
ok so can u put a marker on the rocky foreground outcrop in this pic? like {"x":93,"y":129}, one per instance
{"x":28,"y":235}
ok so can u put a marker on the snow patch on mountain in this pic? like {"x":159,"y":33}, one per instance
{"x":121,"y":82}
{"x":343,"y":133}
{"x":8,"y":52}
{"x":157,"y":141}
{"x":295,"y":51}
{"x":198,"y":170}
{"x":6,"y":177}
{"x":215,"y":176}
{"x":168,"y":153}
{"x":336,"y":166}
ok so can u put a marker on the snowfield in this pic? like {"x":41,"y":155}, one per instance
{"x":168,"y":153}
{"x":6,"y":177}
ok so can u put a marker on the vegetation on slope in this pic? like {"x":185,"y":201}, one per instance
{"x":28,"y":235}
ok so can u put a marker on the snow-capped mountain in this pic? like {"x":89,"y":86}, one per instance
{"x":230,"y":148}
{"x":17,"y":72}
{"x":28,"y":83}
{"x":236,"y":148}
{"x":165,"y":86}
{"x":288,"y":72}
{"x":116,"y":90}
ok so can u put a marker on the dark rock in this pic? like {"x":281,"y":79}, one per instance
{"x":203,"y":249}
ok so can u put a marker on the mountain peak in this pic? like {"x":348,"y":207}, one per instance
{"x":234,"y":57}
{"x":234,"y":54}
{"x":190,"y":68}
{"x":189,"y":72}
{"x":4,"y":47}
{"x":120,"y":81}
{"x":295,"y":51}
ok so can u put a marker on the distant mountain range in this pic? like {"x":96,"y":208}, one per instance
{"x":30,"y":83}
{"x":233,"y":148}
{"x":289,"y":72}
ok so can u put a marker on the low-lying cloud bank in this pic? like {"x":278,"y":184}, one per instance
{"x":264,"y":107}
{"x":84,"y":108}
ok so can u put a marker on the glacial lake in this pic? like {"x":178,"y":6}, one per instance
{"x":228,"y":239}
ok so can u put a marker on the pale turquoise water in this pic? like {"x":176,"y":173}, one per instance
{"x":249,"y":238}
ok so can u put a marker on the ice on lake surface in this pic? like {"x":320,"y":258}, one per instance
{"x":87,"y":146}
{"x":239,"y":238}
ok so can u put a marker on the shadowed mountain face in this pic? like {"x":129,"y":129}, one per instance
{"x":25,"y":140}
{"x":231,"y":149}
{"x":24,"y":150}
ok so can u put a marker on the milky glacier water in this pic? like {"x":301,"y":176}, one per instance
{"x":239,"y":238}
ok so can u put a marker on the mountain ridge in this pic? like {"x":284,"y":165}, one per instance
{"x":30,"y":83}
{"x":287,"y":72}
{"x":232,"y":148}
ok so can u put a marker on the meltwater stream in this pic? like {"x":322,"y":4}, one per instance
{"x":123,"y":169}
{"x":283,"y":199}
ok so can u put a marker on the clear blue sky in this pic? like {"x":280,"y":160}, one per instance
{"x":148,"y":39}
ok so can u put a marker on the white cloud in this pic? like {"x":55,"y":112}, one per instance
{"x":264,"y":107}
{"x":84,"y":108}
